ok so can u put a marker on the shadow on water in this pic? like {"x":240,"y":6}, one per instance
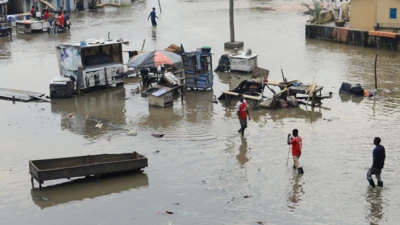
{"x":83,"y":188}
{"x":296,"y":192}
{"x":106,"y":107}
{"x":375,"y":209}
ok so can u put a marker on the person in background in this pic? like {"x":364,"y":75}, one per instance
{"x":33,"y":14}
{"x":66,"y":18}
{"x":153,"y":17}
{"x":378,"y":161}
{"x":345,"y":10}
{"x":46,"y":14}
{"x":60,"y":19}
{"x":242,"y":112}
{"x":297,"y":144}
{"x":333,"y":7}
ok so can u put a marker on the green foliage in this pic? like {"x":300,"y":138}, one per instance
{"x":315,"y":10}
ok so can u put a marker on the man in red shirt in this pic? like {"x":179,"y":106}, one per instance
{"x":297,"y":144}
{"x":242,"y":112}
{"x":60,"y":19}
{"x":46,"y":15}
{"x":33,"y":11}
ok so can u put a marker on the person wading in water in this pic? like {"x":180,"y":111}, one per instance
{"x":153,"y":17}
{"x":242,"y":112}
{"x":297,"y":144}
{"x":378,"y":161}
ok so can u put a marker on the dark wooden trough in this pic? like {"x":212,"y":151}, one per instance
{"x":81,"y":166}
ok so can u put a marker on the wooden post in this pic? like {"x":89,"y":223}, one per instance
{"x":79,"y":81}
{"x":313,"y":99}
{"x":159,"y":5}
{"x":105,"y":75}
{"x":376,"y":80}
{"x":231,"y":22}
{"x":182,"y":94}
{"x":144,"y":42}
{"x":283,"y":76}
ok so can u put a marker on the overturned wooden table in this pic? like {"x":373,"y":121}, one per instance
{"x":253,"y":99}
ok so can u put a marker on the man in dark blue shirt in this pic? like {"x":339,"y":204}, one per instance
{"x":378,"y":161}
{"x":153,"y":17}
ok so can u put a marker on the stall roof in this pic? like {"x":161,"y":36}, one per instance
{"x":94,"y":42}
{"x":3,"y":1}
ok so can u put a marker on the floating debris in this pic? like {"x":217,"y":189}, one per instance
{"x":41,"y":199}
{"x":158,"y":135}
{"x":99,"y":125}
{"x":262,"y":8}
{"x":214,"y":100}
{"x":247,"y":196}
{"x":169,"y":212}
{"x":131,"y":133}
{"x":71,"y":115}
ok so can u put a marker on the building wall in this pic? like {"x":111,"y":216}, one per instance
{"x":362,"y":14}
{"x":126,"y":2}
{"x":15,"y":6}
{"x":383,"y":11}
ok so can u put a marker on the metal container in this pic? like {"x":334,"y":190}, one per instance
{"x":59,"y":168}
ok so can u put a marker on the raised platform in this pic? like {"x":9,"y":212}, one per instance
{"x":345,"y":35}
{"x":233,"y":45}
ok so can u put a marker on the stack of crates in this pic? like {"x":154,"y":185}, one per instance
{"x":198,"y":70}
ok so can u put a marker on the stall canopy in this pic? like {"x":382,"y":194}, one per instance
{"x":156,"y":58}
{"x":48,"y":5}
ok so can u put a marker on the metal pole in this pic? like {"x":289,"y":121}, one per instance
{"x":376,"y":80}
{"x":144,"y":42}
{"x":159,"y":4}
{"x":231,"y":22}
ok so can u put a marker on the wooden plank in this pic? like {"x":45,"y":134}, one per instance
{"x":245,"y":96}
{"x":18,"y":94}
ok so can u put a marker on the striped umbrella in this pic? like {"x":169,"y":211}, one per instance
{"x":155,"y":58}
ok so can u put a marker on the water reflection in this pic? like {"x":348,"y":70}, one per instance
{"x":310,"y":115}
{"x":241,"y":157}
{"x":154,"y":33}
{"x":199,"y":106}
{"x":5,"y":52}
{"x":352,"y":98}
{"x":161,"y":117}
{"x":106,"y":107}
{"x":80,"y":189}
{"x":296,"y":193}
{"x":375,"y":209}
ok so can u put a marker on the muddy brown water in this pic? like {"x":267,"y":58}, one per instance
{"x":202,"y":163}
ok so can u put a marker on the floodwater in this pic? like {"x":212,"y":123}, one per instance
{"x":202,"y":163}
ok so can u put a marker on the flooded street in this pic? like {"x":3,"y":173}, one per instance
{"x":202,"y":169}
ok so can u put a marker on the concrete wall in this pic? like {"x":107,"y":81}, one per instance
{"x":383,"y":11}
{"x":352,"y":37}
{"x":363,"y":14}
